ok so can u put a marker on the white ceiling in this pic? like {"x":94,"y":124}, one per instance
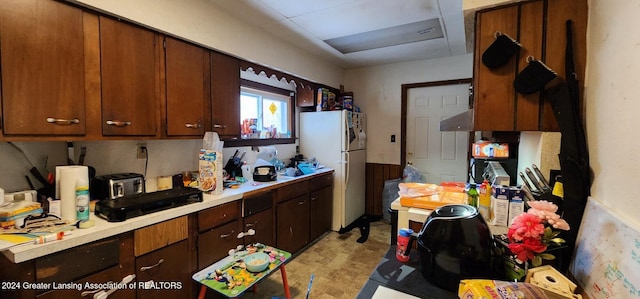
{"x":308,"y":23}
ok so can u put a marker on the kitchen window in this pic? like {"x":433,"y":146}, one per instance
{"x":266,"y":113}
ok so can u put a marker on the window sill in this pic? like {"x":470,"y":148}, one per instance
{"x":257,"y":142}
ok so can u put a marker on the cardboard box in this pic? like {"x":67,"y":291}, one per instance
{"x":500,"y":206}
{"x":516,"y":203}
{"x":210,"y":170}
{"x":490,"y":150}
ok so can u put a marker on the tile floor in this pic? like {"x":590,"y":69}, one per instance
{"x":340,"y":265}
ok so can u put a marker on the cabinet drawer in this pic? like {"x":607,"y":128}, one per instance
{"x":321,"y":181}
{"x":215,"y":244}
{"x":256,"y":203}
{"x":156,"y":236}
{"x":169,"y":264}
{"x":215,"y":216}
{"x":78,"y":262}
{"x":292,"y":191}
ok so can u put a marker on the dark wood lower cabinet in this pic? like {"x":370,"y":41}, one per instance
{"x":165,"y":255}
{"x":262,"y":224}
{"x":164,"y":273}
{"x":215,"y":243}
{"x":292,"y":228}
{"x":320,"y":211}
{"x":112,"y":258}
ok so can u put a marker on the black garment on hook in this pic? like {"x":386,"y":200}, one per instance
{"x":500,"y":51}
{"x":574,"y":155}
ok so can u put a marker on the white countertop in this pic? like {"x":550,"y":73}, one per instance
{"x":104,"y":229}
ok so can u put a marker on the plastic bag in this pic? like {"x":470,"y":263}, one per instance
{"x":411,"y":174}
{"x":389,"y":194}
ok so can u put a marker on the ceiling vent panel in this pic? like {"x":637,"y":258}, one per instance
{"x":396,"y":35}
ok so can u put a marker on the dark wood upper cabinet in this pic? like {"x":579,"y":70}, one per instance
{"x":305,"y":96}
{"x":498,"y":107}
{"x":130,"y":77}
{"x":42,"y":59}
{"x":539,"y":27}
{"x":187,"y":72}
{"x":225,"y":95}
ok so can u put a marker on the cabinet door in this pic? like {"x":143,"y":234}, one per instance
{"x":320,"y":212}
{"x":558,"y":12}
{"x":305,"y":96}
{"x":493,"y":88}
{"x":42,"y":63}
{"x":292,"y":218}
{"x":130,"y":75}
{"x":170,"y":266}
{"x":528,"y":107}
{"x":225,"y":95}
{"x":262,"y":223}
{"x":96,"y":263}
{"x":188,"y":89}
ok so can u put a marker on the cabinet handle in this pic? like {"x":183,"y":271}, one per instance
{"x":102,"y":294}
{"x":219,"y":126}
{"x":250,"y":232}
{"x":314,"y":198}
{"x":290,"y":232}
{"x":302,"y":202}
{"x":224,"y":236}
{"x":192,"y":126}
{"x":151,"y":267}
{"x":60,"y":121}
{"x":117,"y":123}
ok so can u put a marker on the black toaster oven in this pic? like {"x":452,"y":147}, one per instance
{"x":112,"y":186}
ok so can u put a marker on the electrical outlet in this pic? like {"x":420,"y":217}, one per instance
{"x":141,"y":151}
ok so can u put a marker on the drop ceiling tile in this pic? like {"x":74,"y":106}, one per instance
{"x":294,"y":8}
{"x":365,"y":15}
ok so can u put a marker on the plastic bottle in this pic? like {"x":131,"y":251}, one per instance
{"x":82,"y":200}
{"x":484,"y":202}
{"x":404,"y":235}
{"x":472,"y":195}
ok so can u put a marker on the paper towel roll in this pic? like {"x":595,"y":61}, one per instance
{"x":68,"y":176}
{"x":267,"y":153}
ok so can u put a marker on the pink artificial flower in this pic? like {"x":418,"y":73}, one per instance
{"x":525,"y":226}
{"x":543,"y":214}
{"x":543,"y":205}
{"x":559,"y":224}
{"x":527,"y":249}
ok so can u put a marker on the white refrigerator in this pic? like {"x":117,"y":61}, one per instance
{"x":337,"y":139}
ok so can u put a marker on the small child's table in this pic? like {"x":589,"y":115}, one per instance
{"x":228,"y":278}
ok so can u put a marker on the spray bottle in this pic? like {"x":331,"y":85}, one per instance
{"x":82,"y":199}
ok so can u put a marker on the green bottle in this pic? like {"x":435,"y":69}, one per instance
{"x":472,"y":196}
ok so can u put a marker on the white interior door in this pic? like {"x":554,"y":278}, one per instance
{"x":440,"y":156}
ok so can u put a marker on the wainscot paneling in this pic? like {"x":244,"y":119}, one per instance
{"x":377,"y":174}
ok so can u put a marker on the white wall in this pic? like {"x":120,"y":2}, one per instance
{"x":541,"y":149}
{"x":612,"y":104}
{"x":377,"y":90}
